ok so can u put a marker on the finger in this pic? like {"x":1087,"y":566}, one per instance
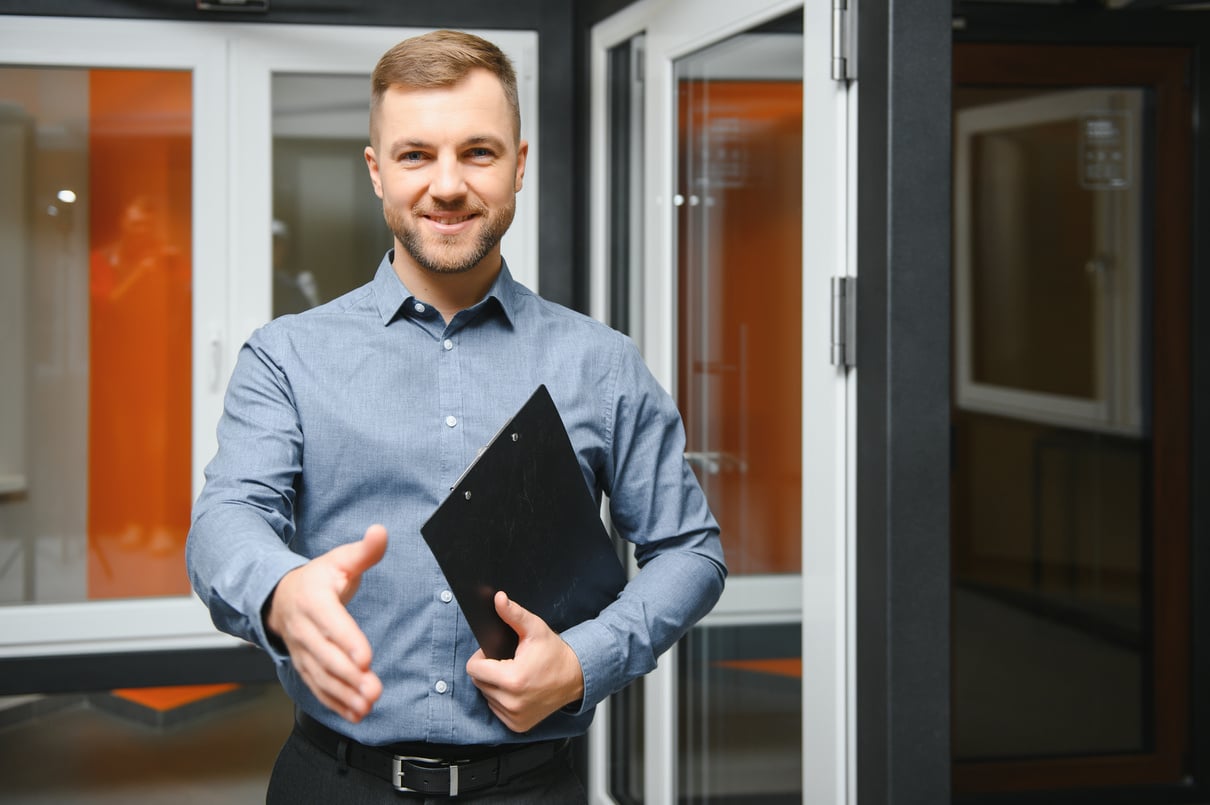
{"x":333,"y":623}
{"x":333,"y":692}
{"x":351,"y":640}
{"x":518,"y":618}
{"x":356,"y":558}
{"x":332,"y":676}
{"x":484,"y":673}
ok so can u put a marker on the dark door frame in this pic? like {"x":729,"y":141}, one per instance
{"x":902,"y":508}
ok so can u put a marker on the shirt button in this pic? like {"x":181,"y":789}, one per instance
{"x":447,"y":596}
{"x":418,"y":307}
{"x":448,"y":344}
{"x":441,"y":687}
{"x":451,"y":420}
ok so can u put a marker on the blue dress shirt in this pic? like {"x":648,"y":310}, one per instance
{"x":366,"y":410}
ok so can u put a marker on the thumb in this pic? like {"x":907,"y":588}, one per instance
{"x":358,"y":557}
{"x":518,"y":618}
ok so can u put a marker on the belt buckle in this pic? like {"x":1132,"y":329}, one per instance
{"x":397,"y":762}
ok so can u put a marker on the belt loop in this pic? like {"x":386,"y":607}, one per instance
{"x":342,"y":756}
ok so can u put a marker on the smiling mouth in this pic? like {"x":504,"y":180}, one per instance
{"x":450,"y":220}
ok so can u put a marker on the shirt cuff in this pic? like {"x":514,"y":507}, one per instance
{"x":600,"y":663}
{"x":272,"y":572}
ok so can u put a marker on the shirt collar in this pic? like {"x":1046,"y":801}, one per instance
{"x":390,"y":294}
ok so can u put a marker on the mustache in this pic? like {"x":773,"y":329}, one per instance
{"x":450,"y":207}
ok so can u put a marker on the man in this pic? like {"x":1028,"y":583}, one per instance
{"x":364,"y":412}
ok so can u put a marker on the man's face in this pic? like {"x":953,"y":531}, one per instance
{"x":447,"y":166}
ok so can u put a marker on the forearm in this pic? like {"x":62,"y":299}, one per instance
{"x":672,"y":592}
{"x":235,"y":559}
{"x":242,"y":521}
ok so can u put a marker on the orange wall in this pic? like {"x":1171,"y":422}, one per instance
{"x":140,"y":311}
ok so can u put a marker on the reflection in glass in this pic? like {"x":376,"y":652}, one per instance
{"x":740,"y":699}
{"x":95,"y":495}
{"x":328,"y":233}
{"x":1047,"y":270}
{"x":1050,"y":478}
{"x":739,"y":278}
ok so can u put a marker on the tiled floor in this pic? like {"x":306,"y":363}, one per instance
{"x":69,"y":751}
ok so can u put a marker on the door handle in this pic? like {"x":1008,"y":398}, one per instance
{"x":712,"y":462}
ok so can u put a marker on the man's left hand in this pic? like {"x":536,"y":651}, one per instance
{"x":543,"y":676}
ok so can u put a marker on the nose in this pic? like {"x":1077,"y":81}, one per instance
{"x":449,"y":180}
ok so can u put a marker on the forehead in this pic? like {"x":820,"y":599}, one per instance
{"x":475,"y":106}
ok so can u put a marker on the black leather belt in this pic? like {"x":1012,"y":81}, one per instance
{"x":435,"y":776}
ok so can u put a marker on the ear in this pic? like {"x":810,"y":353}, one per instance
{"x":372,"y":164}
{"x":522,"y":153}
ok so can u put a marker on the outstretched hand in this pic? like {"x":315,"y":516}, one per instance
{"x":307,"y":611}
{"x":543,"y":676}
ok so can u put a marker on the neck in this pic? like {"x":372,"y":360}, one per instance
{"x":449,"y":293}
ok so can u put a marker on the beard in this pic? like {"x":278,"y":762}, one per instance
{"x":449,"y":254}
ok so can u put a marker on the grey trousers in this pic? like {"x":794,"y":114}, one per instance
{"x":304,"y":773}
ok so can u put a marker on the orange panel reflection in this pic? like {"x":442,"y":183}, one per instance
{"x":740,"y":301}
{"x":140,"y":179}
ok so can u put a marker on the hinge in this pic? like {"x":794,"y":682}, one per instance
{"x":844,"y":63}
{"x":844,"y":322}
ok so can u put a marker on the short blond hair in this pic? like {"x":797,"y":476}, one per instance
{"x":441,"y":59}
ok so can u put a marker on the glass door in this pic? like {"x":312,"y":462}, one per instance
{"x":738,"y":202}
{"x":739,"y":137}
{"x":1070,"y":419}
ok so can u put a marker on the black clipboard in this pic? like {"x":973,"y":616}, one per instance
{"x":520,"y":519}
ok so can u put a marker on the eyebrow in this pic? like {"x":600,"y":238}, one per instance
{"x":484,"y":139}
{"x":423,"y":145}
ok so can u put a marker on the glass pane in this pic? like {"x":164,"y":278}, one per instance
{"x":95,"y":402}
{"x":1048,"y":279}
{"x":1033,"y":223}
{"x":1051,"y":521}
{"x":328,"y":233}
{"x":740,"y":693}
{"x":739,"y":279}
{"x":739,"y":264}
